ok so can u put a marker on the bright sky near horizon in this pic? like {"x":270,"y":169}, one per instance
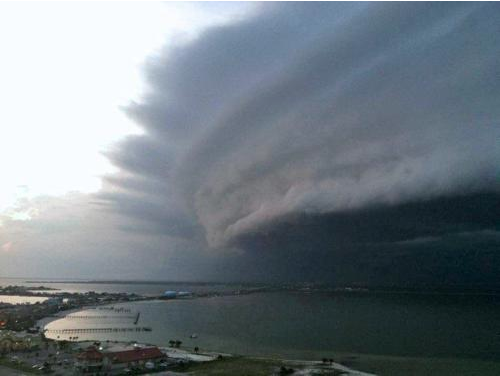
{"x":66,"y":69}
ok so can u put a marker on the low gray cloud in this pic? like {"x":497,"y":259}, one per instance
{"x":315,"y":109}
{"x":70,"y":236}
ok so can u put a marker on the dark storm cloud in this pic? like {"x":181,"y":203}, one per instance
{"x":439,"y":242}
{"x":344,"y":113}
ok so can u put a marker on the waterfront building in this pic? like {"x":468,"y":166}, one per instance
{"x":54,"y":301}
{"x":92,"y":361}
{"x":137,"y":357}
{"x":174,"y":294}
{"x":170,"y":294}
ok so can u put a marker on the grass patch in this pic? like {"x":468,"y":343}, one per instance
{"x":379,"y":365}
{"x":243,"y":366}
{"x":233,"y":366}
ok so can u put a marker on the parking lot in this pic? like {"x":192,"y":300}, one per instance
{"x":49,"y":358}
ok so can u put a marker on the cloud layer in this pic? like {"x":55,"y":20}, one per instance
{"x":71,"y":237}
{"x":313,"y":108}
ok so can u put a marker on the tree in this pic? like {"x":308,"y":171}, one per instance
{"x":286,"y":371}
{"x":62,"y":344}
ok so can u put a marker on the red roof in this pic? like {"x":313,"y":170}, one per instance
{"x":135,"y":355}
{"x":91,"y":354}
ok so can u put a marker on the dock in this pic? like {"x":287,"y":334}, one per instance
{"x":90,"y":317}
{"x":98,"y":330}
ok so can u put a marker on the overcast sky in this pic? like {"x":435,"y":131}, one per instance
{"x":347,"y":142}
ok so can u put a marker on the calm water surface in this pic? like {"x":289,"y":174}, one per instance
{"x":15,"y":299}
{"x":306,"y":325}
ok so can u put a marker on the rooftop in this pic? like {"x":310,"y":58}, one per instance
{"x":135,"y":355}
{"x":90,"y":354}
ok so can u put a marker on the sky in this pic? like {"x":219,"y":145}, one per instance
{"x":338,"y":142}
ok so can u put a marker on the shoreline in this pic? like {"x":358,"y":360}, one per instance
{"x":184,"y":354}
{"x":352,"y":363}
{"x":300,"y":287}
{"x":206,"y":362}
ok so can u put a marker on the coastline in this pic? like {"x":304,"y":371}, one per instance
{"x":207,"y":362}
{"x":262,"y":359}
{"x":357,"y":364}
{"x":194,"y":359}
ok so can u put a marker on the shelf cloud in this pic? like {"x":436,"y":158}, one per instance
{"x":317,"y":108}
{"x":318,"y":111}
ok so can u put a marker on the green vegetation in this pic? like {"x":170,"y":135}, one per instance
{"x":380,"y":365}
{"x":233,"y":366}
{"x":244,"y":366}
{"x":175,"y":343}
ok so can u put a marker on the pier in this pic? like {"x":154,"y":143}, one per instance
{"x":115,"y":309}
{"x":90,"y":317}
{"x":98,"y":330}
